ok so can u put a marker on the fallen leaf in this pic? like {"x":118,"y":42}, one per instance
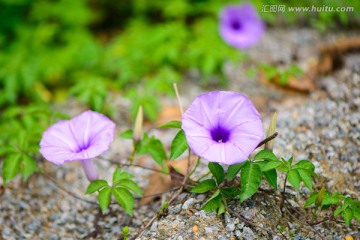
{"x":161,"y":182}
{"x":167,"y":114}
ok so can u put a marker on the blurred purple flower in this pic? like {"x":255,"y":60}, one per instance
{"x":82,"y":138}
{"x":223,"y":127}
{"x":240,"y":26}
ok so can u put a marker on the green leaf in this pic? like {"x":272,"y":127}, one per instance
{"x":355,"y":206}
{"x":271,"y":165}
{"x":347,"y":202}
{"x":221,"y":209}
{"x":338,"y":211}
{"x":329,"y":200}
{"x":125,"y":199}
{"x":28,"y":166}
{"x":157,"y":151}
{"x":266,"y":154}
{"x":179,"y":145}
{"x":271,"y":177}
{"x":204,"y":186}
{"x":348,"y":215}
{"x":294,"y":178}
{"x":213,"y":203}
{"x":128,"y":134}
{"x":11,"y":166}
{"x":305,"y":176}
{"x":311,"y":199}
{"x":218,"y":172}
{"x":230,"y":192}
{"x":104,"y":198}
{"x":233,"y":170}
{"x":95,"y":186}
{"x":250,"y":180}
{"x":285,"y":166}
{"x":119,"y":175}
{"x":130,"y":185}
{"x":171,"y":124}
{"x":305,"y":164}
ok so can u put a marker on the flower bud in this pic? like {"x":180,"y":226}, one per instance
{"x":138,"y":125}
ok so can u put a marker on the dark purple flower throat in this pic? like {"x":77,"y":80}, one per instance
{"x":236,"y":25}
{"x":220,"y":134}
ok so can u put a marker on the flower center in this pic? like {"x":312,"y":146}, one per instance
{"x":220,"y":134}
{"x":236,"y":25}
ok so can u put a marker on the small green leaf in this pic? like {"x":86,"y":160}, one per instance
{"x":271,"y":177}
{"x":266,"y":154}
{"x":311,"y":199}
{"x":204,"y":186}
{"x":285,"y":166}
{"x":305,"y":176}
{"x":218,"y":172}
{"x":171,"y":124}
{"x":179,"y":145}
{"x":355,"y":206}
{"x":157,"y":151}
{"x":348,"y":215}
{"x":231,"y":192}
{"x":221,"y":209}
{"x":250,"y":180}
{"x":128,"y":134}
{"x":104,"y":198}
{"x":11,"y":166}
{"x":338,"y":211}
{"x":125,"y":199}
{"x":294,"y":178}
{"x":233,"y":170}
{"x":119,"y":175}
{"x":130,"y":185}
{"x":95,"y":186}
{"x":305,"y":164}
{"x":213,"y":203}
{"x":271,"y":165}
{"x":329,"y":200}
{"x":28,"y":166}
{"x":347,"y":202}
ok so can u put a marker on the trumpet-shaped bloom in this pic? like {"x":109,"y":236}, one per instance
{"x":240,"y":26}
{"x":223,"y":127}
{"x":82,"y":138}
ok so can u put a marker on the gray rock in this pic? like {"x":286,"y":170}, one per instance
{"x":188,"y":203}
{"x":230,"y":227}
{"x":154,"y":226}
{"x":248,"y":234}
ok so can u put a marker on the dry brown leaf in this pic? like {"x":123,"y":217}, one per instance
{"x":167,"y":114}
{"x":161,"y":182}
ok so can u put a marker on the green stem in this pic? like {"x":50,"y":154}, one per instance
{"x":195,"y":167}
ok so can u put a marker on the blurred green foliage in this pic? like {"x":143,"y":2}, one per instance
{"x":54,"y":49}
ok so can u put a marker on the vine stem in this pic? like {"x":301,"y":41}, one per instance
{"x":268,"y":139}
{"x":283,"y":195}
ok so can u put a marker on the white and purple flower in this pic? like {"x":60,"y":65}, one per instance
{"x":222,"y":127}
{"x":82,"y":138}
{"x":240,"y":25}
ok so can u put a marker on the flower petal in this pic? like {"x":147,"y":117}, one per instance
{"x":83,"y":137}
{"x":249,"y":26}
{"x":214,"y":116}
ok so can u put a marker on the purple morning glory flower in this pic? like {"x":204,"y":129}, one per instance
{"x":223,"y":127}
{"x":82,"y":138}
{"x":240,"y":26}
